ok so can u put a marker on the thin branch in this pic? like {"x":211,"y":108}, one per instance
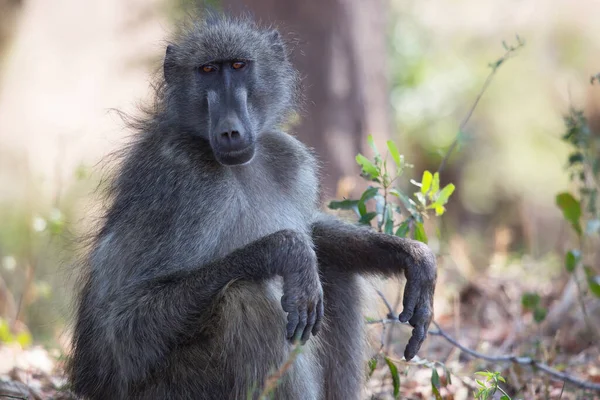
{"x":9,"y":396}
{"x":488,"y":80}
{"x":273,"y":380}
{"x":391,"y":312}
{"x":588,"y":323}
{"x":525,"y":361}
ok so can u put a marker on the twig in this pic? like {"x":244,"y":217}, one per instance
{"x":580,"y":297}
{"x":525,"y":361}
{"x":581,"y":300}
{"x":387,"y":304}
{"x":488,"y":80}
{"x":273,"y":379}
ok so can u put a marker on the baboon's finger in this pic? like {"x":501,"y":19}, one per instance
{"x":302,"y":320}
{"x":292,"y":323}
{"x":312,"y":317}
{"x":287,"y":304}
{"x":420,"y":321}
{"x":318,"y":322}
{"x":409,"y":302}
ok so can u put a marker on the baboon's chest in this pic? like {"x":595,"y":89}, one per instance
{"x":254,"y":217}
{"x":247,"y":214}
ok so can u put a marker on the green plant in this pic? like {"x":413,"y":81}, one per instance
{"x":491,"y":385}
{"x":395,"y":212}
{"x":530,"y":301}
{"x":582,"y":209}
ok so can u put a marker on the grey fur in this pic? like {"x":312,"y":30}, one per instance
{"x":201,"y":273}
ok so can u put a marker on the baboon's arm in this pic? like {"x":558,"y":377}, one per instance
{"x":156,"y":314}
{"x":357,"y":249}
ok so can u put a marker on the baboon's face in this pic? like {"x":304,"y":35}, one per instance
{"x":224,"y":92}
{"x":228,"y":83}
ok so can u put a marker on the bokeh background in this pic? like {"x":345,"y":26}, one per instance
{"x":403,"y":70}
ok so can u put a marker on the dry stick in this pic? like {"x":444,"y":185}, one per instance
{"x":273,"y":380}
{"x":525,"y":361}
{"x":387,"y":304}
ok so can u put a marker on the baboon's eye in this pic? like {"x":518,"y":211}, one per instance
{"x":238,"y":64}
{"x":208,"y":68}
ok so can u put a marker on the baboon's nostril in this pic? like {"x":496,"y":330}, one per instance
{"x":232,"y":135}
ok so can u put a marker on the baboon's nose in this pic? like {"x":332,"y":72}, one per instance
{"x":231,"y":135}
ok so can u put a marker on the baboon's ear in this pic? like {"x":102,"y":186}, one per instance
{"x":169,"y":64}
{"x":277,"y":44}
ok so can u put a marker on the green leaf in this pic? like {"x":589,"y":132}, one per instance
{"x":372,"y":366}
{"x":593,"y":280}
{"x":366,"y":196}
{"x":369,"y":193}
{"x":571,"y":209}
{"x":406,"y":201}
{"x":395,"y":376}
{"x":572,"y":258}
{"x":403,"y":229}
{"x":372,"y":144}
{"x":343,"y":205}
{"x":394,"y":152}
{"x":426,"y":181}
{"x":504,"y":397}
{"x":436,"y":393}
{"x":575,"y":158}
{"x":439,"y":210}
{"x":367,"y":166}
{"x":389,"y":224}
{"x":419,"y":233}
{"x":539,"y":314}
{"x":435,"y":378}
{"x":367,"y":218}
{"x":444,"y":195}
{"x":529,"y":301}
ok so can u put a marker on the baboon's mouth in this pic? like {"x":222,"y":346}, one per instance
{"x":238,"y":157}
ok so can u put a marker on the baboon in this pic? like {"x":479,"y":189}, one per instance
{"x":213,"y":259}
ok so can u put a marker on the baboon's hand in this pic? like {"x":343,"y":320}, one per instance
{"x":303,"y":301}
{"x":421,"y":276}
{"x":302,"y":294}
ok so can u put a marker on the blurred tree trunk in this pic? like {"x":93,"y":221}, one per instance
{"x":341,"y":53}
